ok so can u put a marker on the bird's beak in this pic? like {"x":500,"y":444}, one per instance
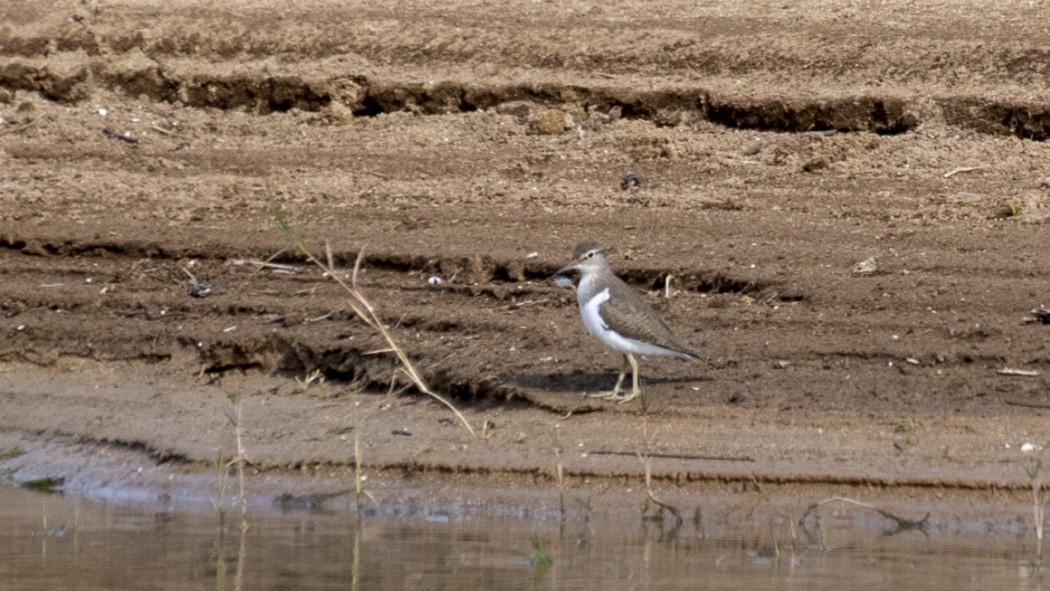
{"x":567,"y":269}
{"x":563,"y":276}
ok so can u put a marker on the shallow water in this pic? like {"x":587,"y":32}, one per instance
{"x":51,"y":542}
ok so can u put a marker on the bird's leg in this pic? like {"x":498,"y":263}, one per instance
{"x":635,"y":390}
{"x":628,"y":361}
{"x":615,"y":393}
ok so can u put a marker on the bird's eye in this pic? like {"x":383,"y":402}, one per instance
{"x":590,"y":254}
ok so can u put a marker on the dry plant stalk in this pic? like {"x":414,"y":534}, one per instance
{"x":365,"y":311}
{"x":559,"y":473}
{"x":647,"y":463}
{"x":1037,"y":509}
{"x":242,"y":456}
{"x":1033,"y":470}
{"x":358,"y":478}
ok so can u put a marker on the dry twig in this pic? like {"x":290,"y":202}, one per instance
{"x":903,"y":524}
{"x":956,"y":171}
{"x":1024,"y":373}
{"x":17,"y":129}
{"x":602,"y":452}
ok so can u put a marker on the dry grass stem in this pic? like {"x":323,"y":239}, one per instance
{"x":1034,"y":471}
{"x":647,"y":463}
{"x":559,"y":473}
{"x":364,"y":310}
{"x":242,"y":456}
{"x":358,"y":480}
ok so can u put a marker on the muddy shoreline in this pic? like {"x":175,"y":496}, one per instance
{"x":464,"y":151}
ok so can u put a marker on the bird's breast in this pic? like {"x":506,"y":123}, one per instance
{"x":590,"y":310}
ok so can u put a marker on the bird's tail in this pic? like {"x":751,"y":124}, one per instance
{"x":687,"y":355}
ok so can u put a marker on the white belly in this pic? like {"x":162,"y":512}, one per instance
{"x":593,"y":321}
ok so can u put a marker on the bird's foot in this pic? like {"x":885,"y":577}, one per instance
{"x":605,"y":395}
{"x":628,"y":397}
{"x":616,"y":396}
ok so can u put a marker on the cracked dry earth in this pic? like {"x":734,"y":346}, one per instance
{"x":780,"y":146}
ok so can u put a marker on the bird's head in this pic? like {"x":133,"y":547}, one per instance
{"x":588,"y":256}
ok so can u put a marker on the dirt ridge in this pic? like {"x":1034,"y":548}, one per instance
{"x":361,"y":97}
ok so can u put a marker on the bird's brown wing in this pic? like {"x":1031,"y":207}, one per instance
{"x":628,"y":313}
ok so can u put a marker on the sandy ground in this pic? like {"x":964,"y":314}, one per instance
{"x":466,"y":149}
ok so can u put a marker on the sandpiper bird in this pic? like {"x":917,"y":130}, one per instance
{"x":619,"y":316}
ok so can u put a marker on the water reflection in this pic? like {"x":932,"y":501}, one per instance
{"x":48,"y":542}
